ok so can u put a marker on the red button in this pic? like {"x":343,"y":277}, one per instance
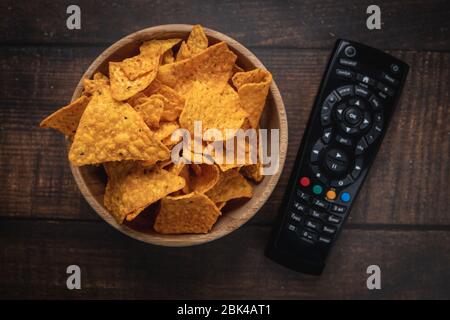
{"x":304,"y":181}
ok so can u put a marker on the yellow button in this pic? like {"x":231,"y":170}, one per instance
{"x":331,"y":195}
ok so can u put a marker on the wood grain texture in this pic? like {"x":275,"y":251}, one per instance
{"x":299,"y":24}
{"x":35,"y":256}
{"x":43,"y":187}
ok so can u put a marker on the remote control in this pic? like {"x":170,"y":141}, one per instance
{"x":351,"y":114}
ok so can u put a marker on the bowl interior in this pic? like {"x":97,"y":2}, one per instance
{"x":92,"y":180}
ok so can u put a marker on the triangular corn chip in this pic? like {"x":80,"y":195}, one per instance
{"x":151,"y":109}
{"x":129,"y":191}
{"x":190,"y":213}
{"x":197,"y":40}
{"x":158,"y":47}
{"x":174,"y":104}
{"x":213,"y":66}
{"x":231,"y":185}
{"x":96,"y":84}
{"x":253,"y":87}
{"x":113,"y":131}
{"x":183,"y":53}
{"x":206,"y":179}
{"x":67,"y":118}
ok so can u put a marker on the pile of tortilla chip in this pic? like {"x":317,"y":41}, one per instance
{"x":125,"y":121}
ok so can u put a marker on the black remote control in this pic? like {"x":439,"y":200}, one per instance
{"x":351,"y":114}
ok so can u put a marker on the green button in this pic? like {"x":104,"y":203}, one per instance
{"x":317,"y":189}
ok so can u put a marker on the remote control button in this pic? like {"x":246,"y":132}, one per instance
{"x":334,"y":166}
{"x":340,"y":111}
{"x":385,"y":89}
{"x":332,"y":99}
{"x":357,"y":168}
{"x":347,"y":129}
{"x":361,"y":146}
{"x":375,"y":103}
{"x":314,"y":225}
{"x":318,"y":174}
{"x":341,"y":182}
{"x":388,"y":78}
{"x":348,"y":62}
{"x":304,"y":181}
{"x":378,"y":118}
{"x":320,"y":203}
{"x":362,"y":92}
{"x":334,"y":219}
{"x":295,"y":218}
{"x":345,"y":197}
{"x":325,"y":119}
{"x":331,"y":195}
{"x":357,"y":102}
{"x":300,"y":207}
{"x":308,"y":236}
{"x":353,"y":116}
{"x":343,"y":140}
{"x":291,"y":227}
{"x":303,"y":196}
{"x":317,"y":189}
{"x":329,"y":230}
{"x":315,"y":152}
{"x":366,"y":121}
{"x":325,"y":240}
{"x":373,"y":134}
{"x":382,"y":94}
{"x":365,"y":79}
{"x":344,"y":73}
{"x":335,"y":208}
{"x":350,"y":51}
{"x":395,"y":68}
{"x":345,"y":91}
{"x":326,"y":136}
{"x":337,"y":154}
{"x":317,"y":214}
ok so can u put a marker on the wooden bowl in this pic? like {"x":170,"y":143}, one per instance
{"x":92,"y":180}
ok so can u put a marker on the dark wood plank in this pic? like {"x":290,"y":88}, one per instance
{"x":407,"y":24}
{"x":35,"y":255}
{"x":37,"y":80}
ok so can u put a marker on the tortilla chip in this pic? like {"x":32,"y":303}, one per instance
{"x":231,"y":185}
{"x":196,"y":168}
{"x":168,"y":57}
{"x":183,"y":53}
{"x":113,"y":131}
{"x":140,"y":64}
{"x":213,"y":66}
{"x":206,"y":180}
{"x":151,"y":109}
{"x":253,"y":172}
{"x":137,"y":188}
{"x":220,"y":205}
{"x":241,"y":155}
{"x":237,"y":69}
{"x":253,"y":87}
{"x":67,"y":118}
{"x":184,"y":173}
{"x":138,"y":98}
{"x":197,"y":40}
{"x":122,"y":87}
{"x":190,"y":213}
{"x":174,"y":104}
{"x":165,"y":130}
{"x":96,"y":84}
{"x":216,"y":109}
{"x":158,"y":47}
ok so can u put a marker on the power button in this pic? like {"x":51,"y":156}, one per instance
{"x":350,"y":51}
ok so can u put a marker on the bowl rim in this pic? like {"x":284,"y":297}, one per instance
{"x":273,"y":179}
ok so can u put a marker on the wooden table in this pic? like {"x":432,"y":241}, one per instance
{"x":401,"y":220}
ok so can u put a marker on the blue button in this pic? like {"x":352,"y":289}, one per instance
{"x":345,"y":196}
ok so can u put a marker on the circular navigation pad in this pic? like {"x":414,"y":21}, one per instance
{"x":336,"y":161}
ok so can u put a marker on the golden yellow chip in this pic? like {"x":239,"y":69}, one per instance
{"x":96,"y":84}
{"x":113,"y":131}
{"x":140,"y":64}
{"x":168,"y":57}
{"x":197,"y":40}
{"x":216,"y":109}
{"x":237,"y":69}
{"x":183,"y":53}
{"x":151,"y":109}
{"x":165,"y":130}
{"x":138,"y":98}
{"x":66,"y":119}
{"x":122,"y":87}
{"x":212,"y":66}
{"x":253,"y":87}
{"x":184,"y":173}
{"x":196,"y":168}
{"x":158,"y":47}
{"x":206,"y":179}
{"x":231,"y":185}
{"x":253,"y":172}
{"x":174,"y":104}
{"x":220,"y":205}
{"x":135,"y":189}
{"x":190,"y":213}
{"x":235,"y":155}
